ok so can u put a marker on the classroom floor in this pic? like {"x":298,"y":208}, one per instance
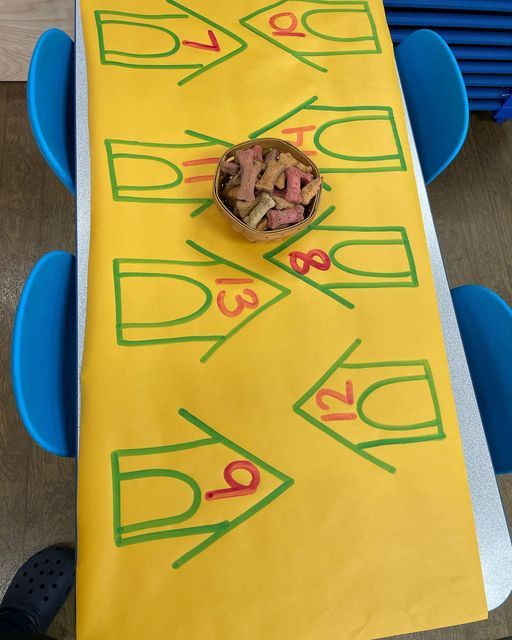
{"x":472,"y":206}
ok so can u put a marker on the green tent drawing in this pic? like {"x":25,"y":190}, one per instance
{"x":388,"y":244}
{"x":405,"y":378}
{"x":120,"y":42}
{"x":141,"y":286}
{"x":313,"y":31}
{"x":195,"y":522}
{"x":375,"y":142}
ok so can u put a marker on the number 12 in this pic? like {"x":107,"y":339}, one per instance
{"x":345,"y":398}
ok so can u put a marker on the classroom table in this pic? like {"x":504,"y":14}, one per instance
{"x":493,"y":536}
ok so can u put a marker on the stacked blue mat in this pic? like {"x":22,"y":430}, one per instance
{"x":479,"y":32}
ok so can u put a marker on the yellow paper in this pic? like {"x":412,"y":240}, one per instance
{"x":308,"y":377}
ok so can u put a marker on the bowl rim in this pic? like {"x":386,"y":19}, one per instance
{"x":302,"y":157}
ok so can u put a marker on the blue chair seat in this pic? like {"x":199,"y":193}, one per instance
{"x":436,"y":99}
{"x":485,"y":323}
{"x":44,"y":354}
{"x":51,"y":103}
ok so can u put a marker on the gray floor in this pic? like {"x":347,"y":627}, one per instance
{"x":36,"y":216}
{"x":472,"y":205}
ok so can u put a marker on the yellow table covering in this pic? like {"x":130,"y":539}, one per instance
{"x":306,"y":378}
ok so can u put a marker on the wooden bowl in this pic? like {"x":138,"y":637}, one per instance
{"x":239,"y":225}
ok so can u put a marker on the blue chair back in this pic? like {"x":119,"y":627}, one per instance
{"x":44,"y":354}
{"x":485,"y":323}
{"x":51,"y":103}
{"x":436,"y":99}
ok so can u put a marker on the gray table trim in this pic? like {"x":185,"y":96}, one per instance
{"x":83,"y":188}
{"x":493,"y":537}
{"x":491,"y":526}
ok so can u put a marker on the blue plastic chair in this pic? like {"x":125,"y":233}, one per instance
{"x":436,"y":99}
{"x":485,"y":323}
{"x":51,"y":103}
{"x":44,"y":354}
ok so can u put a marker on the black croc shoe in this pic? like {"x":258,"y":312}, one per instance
{"x":40,"y":588}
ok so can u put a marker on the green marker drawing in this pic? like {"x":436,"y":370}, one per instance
{"x":340,"y":275}
{"x":330,"y":156}
{"x":402,"y":374}
{"x":173,"y":28}
{"x":196,"y":519}
{"x":278,"y":23}
{"x":189,"y":327}
{"x":188,"y":169}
